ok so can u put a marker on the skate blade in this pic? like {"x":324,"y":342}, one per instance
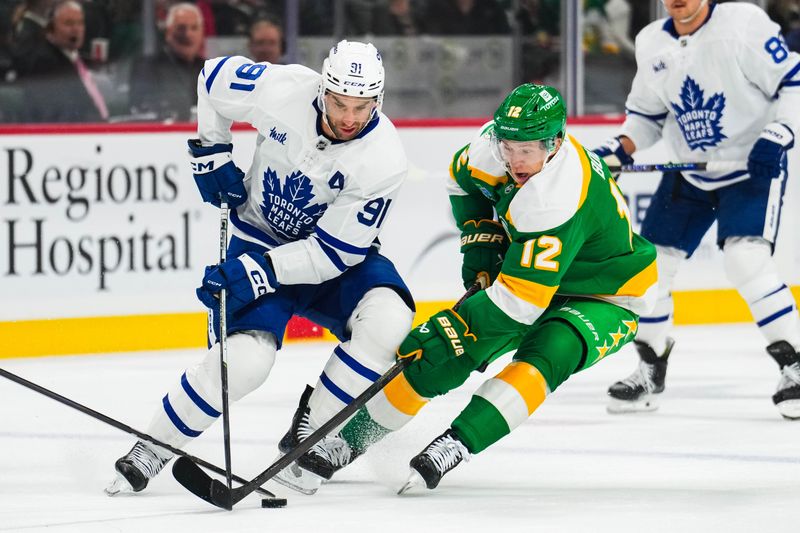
{"x":120,"y":485}
{"x":647,"y":404}
{"x":414,"y":480}
{"x":789,"y":409}
{"x":299,"y":480}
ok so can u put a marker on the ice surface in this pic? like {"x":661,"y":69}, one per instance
{"x":715,"y":457}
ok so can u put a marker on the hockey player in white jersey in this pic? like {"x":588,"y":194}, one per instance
{"x":718,"y":83}
{"x":327,"y":167}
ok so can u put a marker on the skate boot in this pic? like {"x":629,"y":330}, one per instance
{"x":787,"y":397}
{"x":438,"y":458}
{"x":137,"y":468}
{"x":293,"y":476}
{"x":640,"y":391}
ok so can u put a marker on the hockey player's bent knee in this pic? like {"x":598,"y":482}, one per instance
{"x":555,"y":349}
{"x":251,"y":355}
{"x":378,"y":325}
{"x":748,"y":259}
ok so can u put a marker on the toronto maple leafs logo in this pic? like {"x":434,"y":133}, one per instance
{"x":288,"y":207}
{"x":699,"y":119}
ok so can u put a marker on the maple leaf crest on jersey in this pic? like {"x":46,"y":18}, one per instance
{"x":699,"y":120}
{"x":288,"y":208}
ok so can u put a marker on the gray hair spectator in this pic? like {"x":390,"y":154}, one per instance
{"x":164,"y":87}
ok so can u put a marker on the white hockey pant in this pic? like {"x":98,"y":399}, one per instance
{"x":751,"y":269}
{"x":378,"y":325}
{"x":654,"y":328}
{"x":196,"y":401}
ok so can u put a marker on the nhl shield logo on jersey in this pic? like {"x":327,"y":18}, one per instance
{"x":288,"y":208}
{"x":699,"y":119}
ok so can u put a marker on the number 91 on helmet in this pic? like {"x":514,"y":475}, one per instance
{"x":529,"y":127}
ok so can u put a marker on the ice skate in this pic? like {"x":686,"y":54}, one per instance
{"x":640,"y":391}
{"x":293,"y":476}
{"x":137,"y":468}
{"x":787,"y":397}
{"x":438,"y":458}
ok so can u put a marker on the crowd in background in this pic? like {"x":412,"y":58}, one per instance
{"x":82,"y":61}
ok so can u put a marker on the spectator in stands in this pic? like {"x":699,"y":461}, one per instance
{"x":28,"y":31}
{"x":59,"y":86}
{"x":265,"y":41}
{"x":538,"y":22}
{"x":787,"y":14}
{"x":164,"y":87}
{"x":396,"y":17}
{"x":467,"y":17}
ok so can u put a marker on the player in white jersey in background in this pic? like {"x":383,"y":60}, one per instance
{"x":718,"y":83}
{"x":327,"y":167}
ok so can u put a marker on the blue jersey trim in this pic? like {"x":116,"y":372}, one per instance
{"x":776,"y":291}
{"x":252,"y":231}
{"x":775,"y":316}
{"x":669,"y":24}
{"x":357,"y":367}
{"x":654,"y":118}
{"x":198,"y":401}
{"x":243,"y":86}
{"x":368,"y":128}
{"x":214,"y":73}
{"x":335,"y":390}
{"x":177,"y":422}
{"x":332,"y":255}
{"x":330,"y":240}
{"x":726,"y":177}
{"x":653,"y":319}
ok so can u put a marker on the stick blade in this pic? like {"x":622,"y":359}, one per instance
{"x":195,"y":480}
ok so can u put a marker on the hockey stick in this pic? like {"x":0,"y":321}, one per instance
{"x":214,"y":492}
{"x":223,"y":347}
{"x":711,"y":166}
{"x":119,"y":425}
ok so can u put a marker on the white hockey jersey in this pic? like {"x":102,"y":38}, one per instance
{"x":714,"y":90}
{"x":317,"y":205}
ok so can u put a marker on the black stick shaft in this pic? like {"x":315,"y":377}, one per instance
{"x":119,"y":425}
{"x":223,"y":349}
{"x":237,"y":494}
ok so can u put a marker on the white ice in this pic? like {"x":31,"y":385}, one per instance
{"x":715,"y":457}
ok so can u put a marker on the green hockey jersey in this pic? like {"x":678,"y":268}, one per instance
{"x":569,"y":227}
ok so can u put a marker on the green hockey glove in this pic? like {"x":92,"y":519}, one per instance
{"x":484,"y":244}
{"x":440,"y":348}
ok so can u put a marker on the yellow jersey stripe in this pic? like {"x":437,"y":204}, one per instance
{"x":587,"y":169}
{"x":638,"y":284}
{"x":527,"y":381}
{"x":403,"y":397}
{"x":529,"y":291}
{"x":485,"y":177}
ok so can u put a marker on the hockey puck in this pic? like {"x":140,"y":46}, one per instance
{"x":272,"y":503}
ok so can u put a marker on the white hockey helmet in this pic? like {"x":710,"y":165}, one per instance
{"x":353,"y":69}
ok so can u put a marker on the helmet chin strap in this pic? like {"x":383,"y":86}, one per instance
{"x":324,"y":110}
{"x":691,"y":17}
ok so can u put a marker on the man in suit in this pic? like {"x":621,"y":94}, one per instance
{"x":59,"y":86}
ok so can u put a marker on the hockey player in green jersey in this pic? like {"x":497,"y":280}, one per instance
{"x":548,"y":233}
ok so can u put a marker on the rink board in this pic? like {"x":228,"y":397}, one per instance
{"x":103,"y":236}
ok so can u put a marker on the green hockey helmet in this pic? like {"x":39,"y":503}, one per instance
{"x":531,"y":113}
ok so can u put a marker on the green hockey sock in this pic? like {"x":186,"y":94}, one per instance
{"x":362,"y":431}
{"x":480,"y":425}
